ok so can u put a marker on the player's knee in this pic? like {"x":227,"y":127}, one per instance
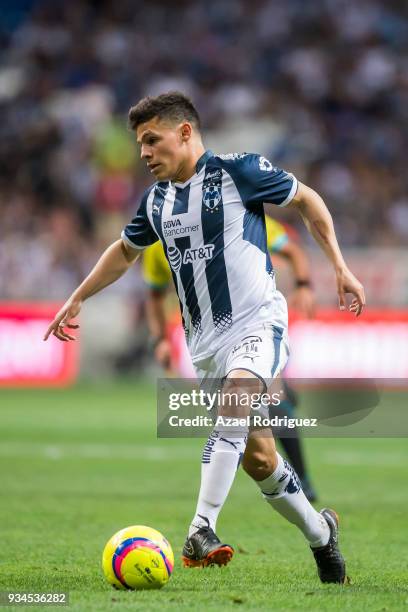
{"x":243,"y":379}
{"x":258,"y":465}
{"x":237,"y":384}
{"x":240,"y":380}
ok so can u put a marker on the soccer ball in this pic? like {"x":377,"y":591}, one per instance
{"x":137,"y":557}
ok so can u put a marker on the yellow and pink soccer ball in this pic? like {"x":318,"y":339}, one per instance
{"x":137,"y":557}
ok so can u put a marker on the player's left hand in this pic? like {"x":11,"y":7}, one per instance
{"x":347,"y":283}
{"x":303,"y":301}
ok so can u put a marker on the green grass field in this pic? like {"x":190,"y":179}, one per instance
{"x":78,"y":465}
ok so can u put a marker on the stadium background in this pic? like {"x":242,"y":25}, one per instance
{"x":321,"y":88}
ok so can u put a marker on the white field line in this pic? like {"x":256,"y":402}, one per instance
{"x":154,"y":452}
{"x":365,"y":457}
{"x":91,"y":450}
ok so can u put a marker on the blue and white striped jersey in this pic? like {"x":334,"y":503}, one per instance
{"x":213,"y":231}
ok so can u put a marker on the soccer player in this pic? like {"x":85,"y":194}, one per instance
{"x":208,"y":212}
{"x":157,"y":275}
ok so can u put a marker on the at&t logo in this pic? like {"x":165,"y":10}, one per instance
{"x":189,"y":256}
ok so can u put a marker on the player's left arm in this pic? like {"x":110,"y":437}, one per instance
{"x":319,"y":223}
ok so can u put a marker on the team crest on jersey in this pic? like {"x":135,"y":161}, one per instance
{"x":212,"y":190}
{"x":212,"y":196}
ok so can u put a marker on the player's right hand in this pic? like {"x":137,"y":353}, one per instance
{"x":63,"y":319}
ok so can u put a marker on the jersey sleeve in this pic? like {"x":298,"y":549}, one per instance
{"x":155,"y":268}
{"x":276,"y":236}
{"x":139,"y":233}
{"x":259,"y":181}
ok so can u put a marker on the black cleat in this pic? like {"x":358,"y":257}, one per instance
{"x":204,"y":548}
{"x":329,"y":560}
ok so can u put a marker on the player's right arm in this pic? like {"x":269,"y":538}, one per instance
{"x":113,"y":263}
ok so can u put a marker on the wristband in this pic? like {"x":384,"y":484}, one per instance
{"x":302,"y":283}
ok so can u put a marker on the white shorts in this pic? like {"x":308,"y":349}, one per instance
{"x":262,"y":350}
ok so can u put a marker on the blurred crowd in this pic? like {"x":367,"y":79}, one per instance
{"x":331,"y":77}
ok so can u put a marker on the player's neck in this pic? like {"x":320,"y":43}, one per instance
{"x":188,"y":168}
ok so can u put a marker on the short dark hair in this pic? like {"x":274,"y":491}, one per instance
{"x":172,"y":105}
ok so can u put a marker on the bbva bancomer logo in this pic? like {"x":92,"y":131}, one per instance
{"x":189,"y":255}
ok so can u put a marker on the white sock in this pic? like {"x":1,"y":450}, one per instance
{"x":282,"y":491}
{"x":220,"y":461}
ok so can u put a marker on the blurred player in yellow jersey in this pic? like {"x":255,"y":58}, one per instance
{"x":158,"y":277}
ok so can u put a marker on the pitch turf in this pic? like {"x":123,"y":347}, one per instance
{"x":78,"y":465}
